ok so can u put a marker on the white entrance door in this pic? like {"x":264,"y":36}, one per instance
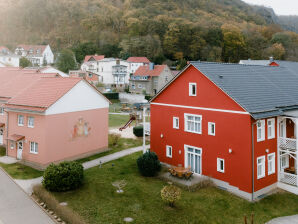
{"x":20,"y":149}
{"x":1,"y":136}
{"x":193,"y":158}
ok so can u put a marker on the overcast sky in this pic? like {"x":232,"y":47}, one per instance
{"x":281,"y":7}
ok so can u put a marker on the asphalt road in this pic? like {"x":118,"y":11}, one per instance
{"x":16,"y":206}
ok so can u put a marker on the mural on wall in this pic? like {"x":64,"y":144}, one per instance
{"x":81,"y":129}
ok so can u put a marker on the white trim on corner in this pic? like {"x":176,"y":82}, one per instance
{"x":202,"y":108}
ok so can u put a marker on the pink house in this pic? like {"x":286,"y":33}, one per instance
{"x":56,"y":119}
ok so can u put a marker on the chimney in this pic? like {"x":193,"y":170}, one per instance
{"x":151,"y":66}
{"x":271,"y":59}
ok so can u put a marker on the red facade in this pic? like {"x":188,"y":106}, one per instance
{"x":233,"y":131}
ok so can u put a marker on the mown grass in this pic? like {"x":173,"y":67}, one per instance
{"x":98,"y":202}
{"x":119,"y":145}
{"x":20,"y":171}
{"x":116,"y":120}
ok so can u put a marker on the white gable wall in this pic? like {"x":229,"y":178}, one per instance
{"x":81,"y":97}
{"x":48,"y":55}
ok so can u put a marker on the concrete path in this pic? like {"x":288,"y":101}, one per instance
{"x":8,"y":160}
{"x":16,"y":206}
{"x":27,"y":185}
{"x":285,"y":220}
{"x":113,"y":156}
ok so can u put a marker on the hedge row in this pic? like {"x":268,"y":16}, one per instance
{"x":112,"y":96}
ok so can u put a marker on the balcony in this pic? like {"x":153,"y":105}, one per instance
{"x":287,"y":143}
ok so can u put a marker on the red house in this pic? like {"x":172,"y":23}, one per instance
{"x":233,"y":123}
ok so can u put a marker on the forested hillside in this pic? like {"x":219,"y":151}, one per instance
{"x":214,"y":30}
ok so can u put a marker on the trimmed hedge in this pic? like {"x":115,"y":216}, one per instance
{"x":63,"y":177}
{"x":112,"y":96}
{"x":138,"y":131}
{"x":148,"y":164}
{"x":148,"y":97}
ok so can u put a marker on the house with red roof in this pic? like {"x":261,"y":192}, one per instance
{"x":150,"y":79}
{"x":136,"y":62}
{"x":91,"y":63}
{"x":55,"y":119}
{"x":39,"y":55}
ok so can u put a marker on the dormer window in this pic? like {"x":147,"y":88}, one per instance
{"x":192,"y":89}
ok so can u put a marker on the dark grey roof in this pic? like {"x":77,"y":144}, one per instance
{"x":263,"y":91}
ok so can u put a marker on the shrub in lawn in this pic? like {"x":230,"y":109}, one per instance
{"x":65,"y":213}
{"x":148,"y":164}
{"x":63,"y":177}
{"x":138,"y":131}
{"x":170,"y":194}
{"x":114,"y":139}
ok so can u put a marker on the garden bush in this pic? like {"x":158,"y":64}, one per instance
{"x":114,"y":139}
{"x":170,"y":194}
{"x":138,"y":131}
{"x":148,"y":164}
{"x":63,"y":177}
{"x":148,"y":97}
{"x":112,"y":96}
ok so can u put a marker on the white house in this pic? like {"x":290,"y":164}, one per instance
{"x":135,"y":63}
{"x":50,"y":69}
{"x":7,"y":58}
{"x":112,"y":72}
{"x":91,"y":63}
{"x":37,"y":54}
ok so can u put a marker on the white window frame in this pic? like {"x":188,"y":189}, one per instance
{"x":169,"y":151}
{"x":210,"y":124}
{"x":219,"y":169}
{"x":30,"y":125}
{"x":261,"y":165}
{"x":1,"y":111}
{"x":272,"y":127}
{"x":176,"y":122}
{"x":190,"y":89}
{"x":286,"y":165}
{"x":262,"y":130}
{"x":187,"y":129}
{"x":21,"y":124}
{"x":271,"y":160}
{"x":34,"y":147}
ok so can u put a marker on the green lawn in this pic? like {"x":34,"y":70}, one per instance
{"x":116,"y":120}
{"x":2,"y":151}
{"x":97,"y":201}
{"x":122,"y":143}
{"x":20,"y":171}
{"x":115,"y":107}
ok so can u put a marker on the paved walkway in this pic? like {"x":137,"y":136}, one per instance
{"x":16,"y":206}
{"x":7,"y":160}
{"x":27,"y":185}
{"x":285,"y":220}
{"x":113,"y":156}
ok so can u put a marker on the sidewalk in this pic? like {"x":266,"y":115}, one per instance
{"x":285,"y":220}
{"x":27,"y":185}
{"x":16,"y":206}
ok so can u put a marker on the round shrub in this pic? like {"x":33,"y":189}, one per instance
{"x":170,"y":194}
{"x":63,"y":177}
{"x":138,"y":131}
{"x":148,"y":164}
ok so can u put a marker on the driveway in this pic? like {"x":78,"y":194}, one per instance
{"x":16,"y":206}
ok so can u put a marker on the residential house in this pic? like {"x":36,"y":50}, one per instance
{"x":50,"y":69}
{"x":113,"y":72}
{"x":91,"y":77}
{"x":91,"y":63}
{"x":236,"y":124}
{"x":136,"y":62}
{"x":150,"y":79}
{"x":7,"y":58}
{"x":56,"y":119}
{"x":39,"y":55}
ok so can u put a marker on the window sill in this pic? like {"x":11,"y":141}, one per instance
{"x":20,"y":125}
{"x":34,"y":153}
{"x":271,"y":173}
{"x":193,"y":132}
{"x":260,"y":177}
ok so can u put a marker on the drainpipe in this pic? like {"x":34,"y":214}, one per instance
{"x":253,"y":160}
{"x":6,"y":126}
